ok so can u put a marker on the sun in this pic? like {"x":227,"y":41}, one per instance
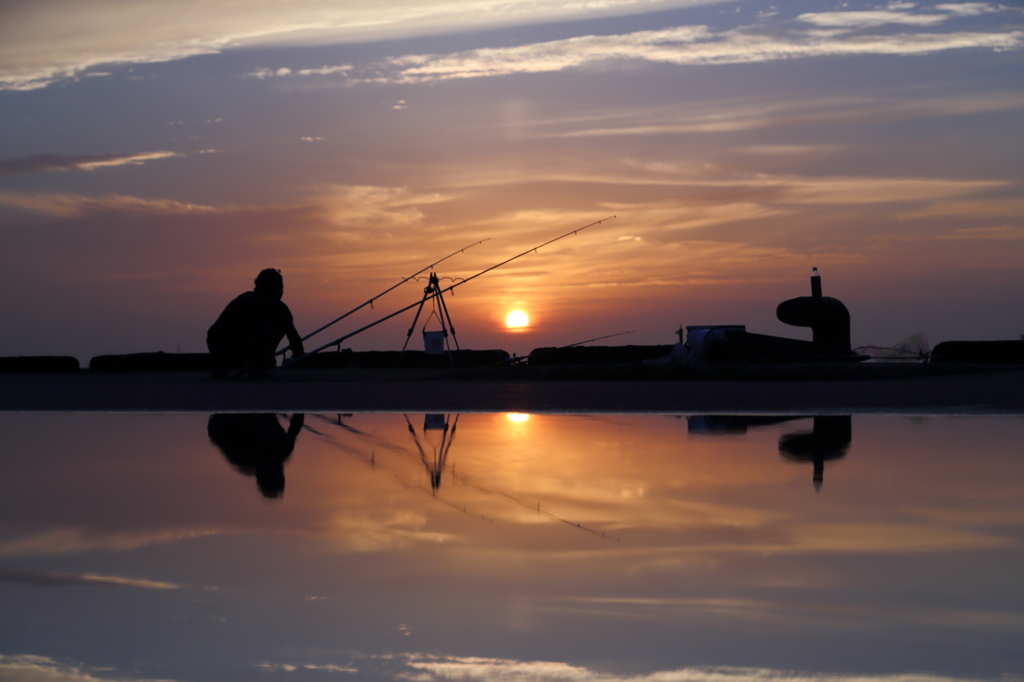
{"x":516,"y":319}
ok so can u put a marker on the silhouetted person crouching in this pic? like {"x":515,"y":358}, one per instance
{"x":247,"y":333}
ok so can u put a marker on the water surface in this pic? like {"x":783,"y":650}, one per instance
{"x":498,"y":546}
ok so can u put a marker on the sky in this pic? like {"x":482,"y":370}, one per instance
{"x":154,"y":157}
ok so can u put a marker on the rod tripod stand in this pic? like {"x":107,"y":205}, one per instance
{"x":433,"y":292}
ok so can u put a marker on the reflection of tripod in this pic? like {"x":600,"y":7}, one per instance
{"x":435,"y":465}
{"x":435,"y":342}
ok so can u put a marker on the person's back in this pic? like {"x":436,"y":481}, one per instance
{"x":247,"y":333}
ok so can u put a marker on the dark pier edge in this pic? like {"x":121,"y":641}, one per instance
{"x":967,"y":390}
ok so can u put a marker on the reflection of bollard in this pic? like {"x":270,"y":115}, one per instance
{"x":829,"y":440}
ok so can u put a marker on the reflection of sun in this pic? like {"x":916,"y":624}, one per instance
{"x":517,"y":417}
{"x":517,"y":318}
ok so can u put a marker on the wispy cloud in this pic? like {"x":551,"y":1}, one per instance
{"x":369,"y":206}
{"x":1001,"y":232}
{"x":479,"y":668}
{"x":690,"y":45}
{"x":29,"y":668}
{"x":341,"y":69}
{"x":731,"y":116}
{"x":968,"y":9}
{"x":292,"y":667}
{"x":1007,"y":209}
{"x":428,"y":667}
{"x":47,"y":163}
{"x":45,"y":42}
{"x":870,"y":19}
{"x":791,"y":149}
{"x":69,"y":205}
{"x":44,"y":579}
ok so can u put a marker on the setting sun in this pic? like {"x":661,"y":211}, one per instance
{"x":517,"y":318}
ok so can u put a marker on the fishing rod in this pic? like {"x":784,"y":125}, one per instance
{"x":293,"y":360}
{"x":370,"y":302}
{"x":512,"y":361}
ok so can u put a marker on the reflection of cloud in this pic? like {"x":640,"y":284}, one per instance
{"x":28,"y":668}
{"x":681,"y":45}
{"x":70,"y":540}
{"x":401,"y":530}
{"x":61,"y":579}
{"x":46,"y":163}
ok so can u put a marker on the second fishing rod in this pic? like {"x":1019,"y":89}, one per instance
{"x":392,"y":288}
{"x":439,"y":292}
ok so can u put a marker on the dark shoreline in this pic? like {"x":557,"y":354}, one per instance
{"x":887,"y":390}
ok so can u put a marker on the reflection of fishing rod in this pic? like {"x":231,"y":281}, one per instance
{"x":370,"y":302}
{"x":469,"y":481}
{"x":371,"y":459}
{"x":514,"y":360}
{"x":438,"y":292}
{"x":465,"y":479}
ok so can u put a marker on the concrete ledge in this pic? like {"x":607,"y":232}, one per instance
{"x":433,"y":391}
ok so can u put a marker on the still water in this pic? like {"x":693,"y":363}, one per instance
{"x":199,"y":547}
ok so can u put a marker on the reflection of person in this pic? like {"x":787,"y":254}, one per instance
{"x":256,"y":445}
{"x":247,"y":333}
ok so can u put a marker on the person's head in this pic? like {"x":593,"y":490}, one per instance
{"x":270,"y":480}
{"x":270,"y":282}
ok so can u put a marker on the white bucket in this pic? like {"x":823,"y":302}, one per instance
{"x":433,"y":342}
{"x":434,"y":422}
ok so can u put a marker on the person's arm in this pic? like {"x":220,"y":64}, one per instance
{"x":294,"y":342}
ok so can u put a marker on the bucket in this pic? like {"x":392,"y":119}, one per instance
{"x":433,"y":342}
{"x":434,"y":422}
